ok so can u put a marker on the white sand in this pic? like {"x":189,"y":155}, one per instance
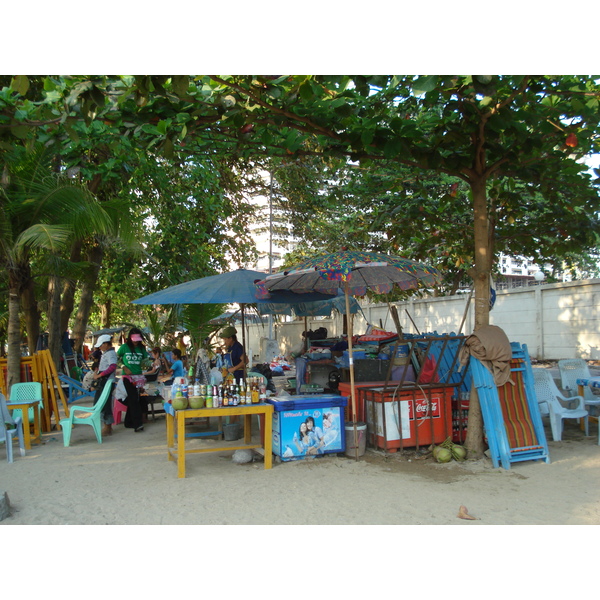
{"x":128,"y":480}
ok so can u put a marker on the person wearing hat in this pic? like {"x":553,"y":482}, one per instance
{"x":131,"y":354}
{"x":235,"y":358}
{"x":105,"y":375}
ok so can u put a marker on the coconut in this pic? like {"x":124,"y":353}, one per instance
{"x":179,"y":403}
{"x":197,"y":401}
{"x":459,"y":452}
{"x":443,"y":455}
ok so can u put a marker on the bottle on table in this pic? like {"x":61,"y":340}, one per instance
{"x":255,"y":392}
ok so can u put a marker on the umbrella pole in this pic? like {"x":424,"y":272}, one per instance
{"x":351,"y":364}
{"x":243,"y":328}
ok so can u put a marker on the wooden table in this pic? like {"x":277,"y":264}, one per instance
{"x":179,"y":417}
{"x":24,"y":405}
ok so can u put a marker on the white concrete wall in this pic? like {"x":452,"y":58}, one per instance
{"x":559,"y":320}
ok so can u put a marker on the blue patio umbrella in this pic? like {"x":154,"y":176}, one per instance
{"x":225,"y":288}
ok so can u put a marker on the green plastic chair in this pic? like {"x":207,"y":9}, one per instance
{"x":91,"y":416}
{"x":30,"y":390}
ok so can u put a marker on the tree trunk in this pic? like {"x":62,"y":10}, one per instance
{"x":483,"y":257}
{"x":13,"y":362}
{"x":68,"y":293}
{"x":54,"y":329}
{"x":95,"y":256}
{"x":481,"y":284}
{"x":474,"y":440}
{"x":105,"y":314}
{"x":31,"y":313}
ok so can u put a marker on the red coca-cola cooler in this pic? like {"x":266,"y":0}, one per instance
{"x":407,"y":418}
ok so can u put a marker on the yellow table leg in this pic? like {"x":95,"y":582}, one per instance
{"x":170,"y":435}
{"x":37,"y":425}
{"x":247,"y":429}
{"x":268,"y":441}
{"x":180,"y":445}
{"x":25,"y":406}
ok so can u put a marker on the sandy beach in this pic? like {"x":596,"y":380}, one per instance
{"x":128,"y":480}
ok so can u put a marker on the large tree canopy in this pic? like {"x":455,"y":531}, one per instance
{"x":512,"y":143}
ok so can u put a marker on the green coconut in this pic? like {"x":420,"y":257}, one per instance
{"x":179,"y":403}
{"x":459,"y":452}
{"x":443,"y":455}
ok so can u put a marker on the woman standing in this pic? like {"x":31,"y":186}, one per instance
{"x":131,"y":354}
{"x":235,"y":358}
{"x":105,"y":375}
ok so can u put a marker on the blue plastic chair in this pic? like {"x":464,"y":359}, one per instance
{"x":31,"y":390}
{"x":9,"y":427}
{"x":90,"y":416}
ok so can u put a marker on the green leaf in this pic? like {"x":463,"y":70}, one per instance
{"x":52,"y":97}
{"x":161,"y":126}
{"x":20,"y":131}
{"x":424,"y":84}
{"x":20,"y":84}
{"x":366,"y":136}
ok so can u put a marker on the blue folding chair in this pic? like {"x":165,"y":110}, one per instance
{"x":9,"y":427}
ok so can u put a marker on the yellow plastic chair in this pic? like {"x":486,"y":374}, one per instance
{"x":87,"y":415}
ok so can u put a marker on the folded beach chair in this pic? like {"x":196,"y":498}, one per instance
{"x":76,"y":390}
{"x":511,"y":413}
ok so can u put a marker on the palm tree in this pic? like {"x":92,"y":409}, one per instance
{"x":41,"y":212}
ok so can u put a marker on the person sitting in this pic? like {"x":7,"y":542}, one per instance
{"x":158,"y":365}
{"x":88,"y":382}
{"x":176,"y":369}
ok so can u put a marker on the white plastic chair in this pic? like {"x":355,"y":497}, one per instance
{"x":9,"y":427}
{"x":572,"y":369}
{"x":547,"y":393}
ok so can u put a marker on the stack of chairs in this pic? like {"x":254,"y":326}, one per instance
{"x":511,"y":413}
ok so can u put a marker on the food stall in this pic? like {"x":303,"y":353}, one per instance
{"x":409,"y":391}
{"x":416,"y":409}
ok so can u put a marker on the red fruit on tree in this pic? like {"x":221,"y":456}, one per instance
{"x":571,"y":140}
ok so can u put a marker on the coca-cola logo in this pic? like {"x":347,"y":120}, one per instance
{"x":424,"y":408}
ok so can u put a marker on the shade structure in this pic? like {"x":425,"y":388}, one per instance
{"x":236,"y":286}
{"x":354,"y":272}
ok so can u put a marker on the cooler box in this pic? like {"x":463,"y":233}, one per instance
{"x":294,"y":415}
{"x":409,"y":418}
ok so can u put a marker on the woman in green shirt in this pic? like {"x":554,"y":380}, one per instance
{"x":131,"y":354}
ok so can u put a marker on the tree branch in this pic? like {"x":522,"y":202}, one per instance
{"x":279,"y":111}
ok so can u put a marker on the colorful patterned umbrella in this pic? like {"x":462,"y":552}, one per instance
{"x":355,"y":272}
{"x":362,"y":271}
